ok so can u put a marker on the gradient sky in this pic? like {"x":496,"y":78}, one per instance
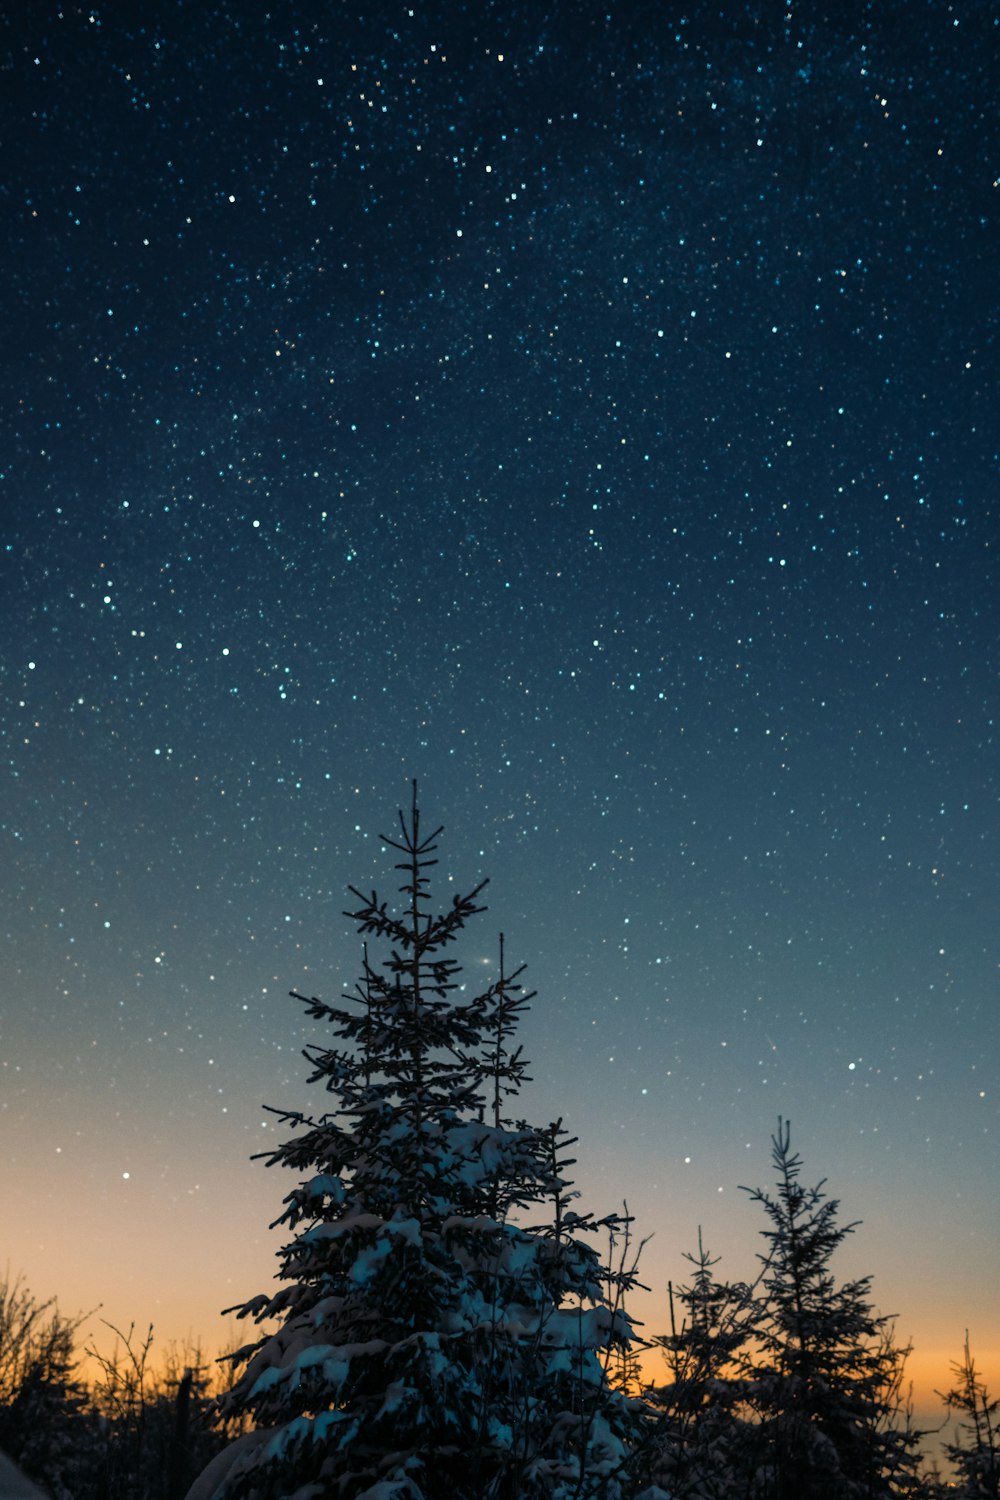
{"x":592,"y":412}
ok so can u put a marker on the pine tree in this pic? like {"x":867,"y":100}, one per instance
{"x":827,"y":1379}
{"x":46,"y":1425}
{"x":975,"y":1452}
{"x":433,"y":1340}
{"x":700,"y":1443}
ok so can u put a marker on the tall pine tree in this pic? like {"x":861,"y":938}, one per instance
{"x":433,"y":1340}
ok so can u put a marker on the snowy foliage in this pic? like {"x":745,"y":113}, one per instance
{"x":445,"y":1319}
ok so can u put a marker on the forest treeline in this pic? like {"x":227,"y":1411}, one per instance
{"x":142,"y":1427}
{"x":450,"y":1324}
{"x":138,"y":1426}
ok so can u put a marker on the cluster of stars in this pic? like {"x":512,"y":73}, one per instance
{"x":591,"y":421}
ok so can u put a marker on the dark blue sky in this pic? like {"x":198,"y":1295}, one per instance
{"x":593,"y":413}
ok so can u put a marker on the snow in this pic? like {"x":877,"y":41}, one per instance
{"x":211,"y":1478}
{"x":14,"y":1485}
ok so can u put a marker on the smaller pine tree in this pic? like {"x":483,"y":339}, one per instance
{"x":975,"y":1453}
{"x":699,"y":1445}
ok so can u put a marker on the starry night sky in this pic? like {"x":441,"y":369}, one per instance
{"x":593,"y":413}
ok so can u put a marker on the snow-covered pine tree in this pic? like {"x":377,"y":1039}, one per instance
{"x":975,"y":1451}
{"x":827,"y":1376}
{"x":433,"y":1342}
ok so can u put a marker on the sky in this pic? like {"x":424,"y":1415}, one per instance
{"x":591,"y":412}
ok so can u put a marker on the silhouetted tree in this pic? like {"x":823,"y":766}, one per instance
{"x":975,"y":1452}
{"x":158,"y":1422}
{"x":826,"y":1374}
{"x":699,"y":1444}
{"x":434,"y":1341}
{"x":46,"y":1425}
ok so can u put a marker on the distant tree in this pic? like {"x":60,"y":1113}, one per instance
{"x":700,"y":1444}
{"x":157,"y":1421}
{"x":123,"y":1396}
{"x":975,"y":1452}
{"x":446,"y":1322}
{"x":188,"y":1434}
{"x":46,"y":1425}
{"x":826,"y":1374}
